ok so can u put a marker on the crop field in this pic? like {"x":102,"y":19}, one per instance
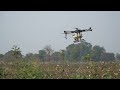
{"x":33,"y":69}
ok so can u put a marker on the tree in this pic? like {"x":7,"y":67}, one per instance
{"x":117,"y":56}
{"x":49,"y":51}
{"x":42,"y":55}
{"x":96,"y":52}
{"x":56,"y":56}
{"x":1,"y":56}
{"x":86,"y":57}
{"x":107,"y":57}
{"x":16,"y":51}
{"x":77,"y":51}
{"x":29,"y":56}
{"x":62,"y":54}
{"x":9,"y":55}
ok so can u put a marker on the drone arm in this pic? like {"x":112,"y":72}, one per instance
{"x":69,"y":32}
{"x":86,"y":30}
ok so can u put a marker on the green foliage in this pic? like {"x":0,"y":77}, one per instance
{"x":48,"y":51}
{"x":9,"y":55}
{"x":96,"y":52}
{"x":117,"y":56}
{"x":56,"y":56}
{"x":2,"y":72}
{"x":29,"y":72}
{"x":62,"y":54}
{"x":21,"y":69}
{"x":32,"y":69}
{"x":42,"y":55}
{"x":77,"y":51}
{"x":16,"y":51}
{"x":86,"y":57}
{"x":1,"y":55}
{"x":107,"y":56}
{"x":29,"y":56}
{"x":73,"y":53}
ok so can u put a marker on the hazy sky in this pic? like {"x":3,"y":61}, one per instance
{"x":33,"y":30}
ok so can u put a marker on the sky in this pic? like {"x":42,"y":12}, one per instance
{"x":33,"y":30}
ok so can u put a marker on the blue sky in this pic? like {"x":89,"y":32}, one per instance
{"x":33,"y":30}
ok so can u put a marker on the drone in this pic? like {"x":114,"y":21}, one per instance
{"x":77,"y":34}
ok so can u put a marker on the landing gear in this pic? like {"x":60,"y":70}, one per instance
{"x":75,"y":41}
{"x":82,"y":40}
{"x":78,"y":41}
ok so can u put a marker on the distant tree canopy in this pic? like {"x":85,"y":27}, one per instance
{"x":83,"y":51}
{"x":42,"y":55}
{"x":48,"y":51}
{"x":86,"y":57}
{"x":117,"y":56}
{"x":1,"y":56}
{"x":29,"y":56}
{"x":16,"y":51}
{"x":76,"y":51}
{"x":107,"y":56}
{"x":56,"y":56}
{"x":9,"y":54}
{"x":97,"y":52}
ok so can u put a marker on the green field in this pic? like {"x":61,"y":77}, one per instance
{"x":32,"y":69}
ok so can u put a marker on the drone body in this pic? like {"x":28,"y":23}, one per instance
{"x":77,"y":34}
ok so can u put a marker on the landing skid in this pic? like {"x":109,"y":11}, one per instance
{"x":82,"y":40}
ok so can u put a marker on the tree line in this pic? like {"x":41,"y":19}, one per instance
{"x":75,"y":52}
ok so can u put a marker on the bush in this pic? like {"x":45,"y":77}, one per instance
{"x":31,"y":69}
